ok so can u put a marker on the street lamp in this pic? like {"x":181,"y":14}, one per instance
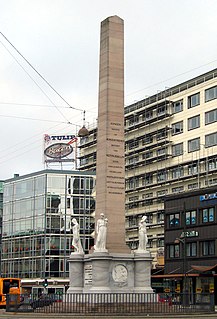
{"x":185,"y":290}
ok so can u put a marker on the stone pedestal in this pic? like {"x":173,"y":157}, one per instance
{"x":76,"y":271}
{"x":110,"y":273}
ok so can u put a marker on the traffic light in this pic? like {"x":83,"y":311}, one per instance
{"x":45,"y":283}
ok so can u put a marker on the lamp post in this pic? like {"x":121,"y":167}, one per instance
{"x":185,"y":284}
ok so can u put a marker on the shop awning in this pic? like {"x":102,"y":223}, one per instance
{"x":204,"y":268}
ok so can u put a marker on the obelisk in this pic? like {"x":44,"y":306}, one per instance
{"x":110,"y":168}
{"x":111,"y":266}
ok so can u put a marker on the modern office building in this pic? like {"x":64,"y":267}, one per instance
{"x":191,"y":242}
{"x":170,"y":148}
{"x":37,"y":230}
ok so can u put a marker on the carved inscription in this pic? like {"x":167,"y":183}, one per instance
{"x":115,"y":177}
{"x":88,"y":275}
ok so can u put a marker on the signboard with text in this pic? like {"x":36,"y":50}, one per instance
{"x":59,"y":148}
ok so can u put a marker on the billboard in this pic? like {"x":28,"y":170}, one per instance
{"x":60,"y":148}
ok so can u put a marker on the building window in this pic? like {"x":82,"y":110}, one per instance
{"x":177,"y":106}
{"x":162,"y":176}
{"x":212,"y":164}
{"x":174,"y":220}
{"x":193,"y":100}
{"x":160,"y":242}
{"x":193,"y":169}
{"x":147,"y":115}
{"x":194,"y":145}
{"x":83,"y":140}
{"x":133,"y":160}
{"x":147,"y":140}
{"x":210,"y":117}
{"x":160,"y":217}
{"x":149,"y":219}
{"x":211,"y":140}
{"x":133,"y":198}
{"x":161,"y":110}
{"x":162,"y":151}
{"x":191,"y":217}
{"x":211,"y":94}
{"x":133,"y":182}
{"x":133,"y":205}
{"x":162,"y":192}
{"x":208,"y":215}
{"x":84,"y":161}
{"x":177,"y":172}
{"x":147,"y":155}
{"x":174,"y":251}
{"x":133,"y":144}
{"x":178,"y":189}
{"x":194,"y":122}
{"x":133,"y":120}
{"x":193,"y":186}
{"x":148,"y":179}
{"x":177,"y":128}
{"x":163,"y":134}
{"x":147,"y":195}
{"x":191,"y":249}
{"x":208,"y":248}
{"x":177,"y":149}
{"x":133,"y":221}
{"x":147,"y":202}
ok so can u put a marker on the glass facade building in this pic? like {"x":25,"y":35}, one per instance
{"x":37,"y":213}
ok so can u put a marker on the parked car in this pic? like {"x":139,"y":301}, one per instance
{"x":42,"y":301}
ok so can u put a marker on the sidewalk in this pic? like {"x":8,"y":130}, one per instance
{"x":9,"y":315}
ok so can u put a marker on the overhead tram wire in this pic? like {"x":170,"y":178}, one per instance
{"x":78,"y":109}
{"x":27,"y":145}
{"x":38,"y":73}
{"x":32,"y":119}
{"x":29,"y":104}
{"x":171,"y":78}
{"x":34,"y":82}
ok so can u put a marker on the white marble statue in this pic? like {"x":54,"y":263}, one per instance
{"x":76,"y":241}
{"x":143,"y":238}
{"x":101,"y":231}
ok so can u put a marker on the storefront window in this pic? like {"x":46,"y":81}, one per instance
{"x":174,"y":220}
{"x":208,"y":215}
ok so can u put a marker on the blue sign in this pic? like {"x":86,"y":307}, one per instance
{"x":208,"y":196}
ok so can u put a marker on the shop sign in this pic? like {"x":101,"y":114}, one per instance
{"x":208,"y":196}
{"x":59,"y":148}
{"x":199,"y":290}
{"x":191,"y":233}
{"x":166,"y":290}
{"x":211,"y":288}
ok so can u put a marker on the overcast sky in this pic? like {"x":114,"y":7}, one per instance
{"x":166,"y":42}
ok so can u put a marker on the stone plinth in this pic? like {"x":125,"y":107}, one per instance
{"x":110,"y":272}
{"x":76,"y":271}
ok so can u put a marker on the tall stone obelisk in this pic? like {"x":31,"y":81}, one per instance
{"x":113,"y":267}
{"x":110,"y":168}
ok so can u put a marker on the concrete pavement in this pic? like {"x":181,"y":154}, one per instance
{"x":10,"y":315}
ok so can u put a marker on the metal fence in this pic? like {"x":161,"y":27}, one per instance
{"x":113,"y":303}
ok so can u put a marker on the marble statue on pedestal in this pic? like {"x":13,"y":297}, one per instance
{"x":101,"y":231}
{"x":76,"y":241}
{"x":143,"y":238}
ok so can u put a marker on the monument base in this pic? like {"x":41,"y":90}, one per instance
{"x":103,"y":272}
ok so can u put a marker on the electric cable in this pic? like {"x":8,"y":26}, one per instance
{"x":38,"y":72}
{"x":34,"y":81}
